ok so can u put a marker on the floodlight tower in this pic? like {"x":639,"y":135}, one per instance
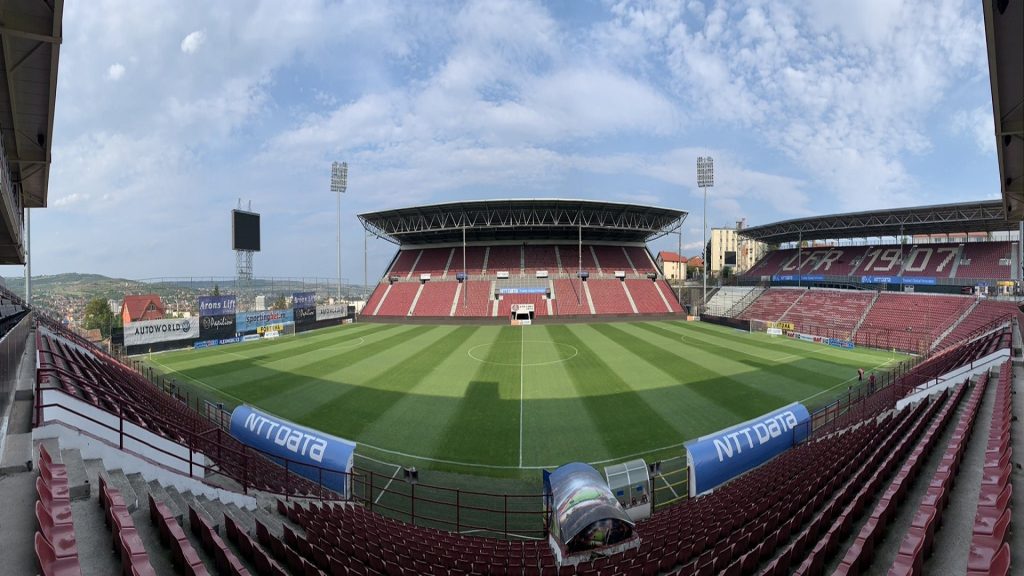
{"x":339,"y":183}
{"x":705,"y":180}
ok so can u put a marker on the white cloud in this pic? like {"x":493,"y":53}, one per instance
{"x":115,"y":72}
{"x":979,"y":125}
{"x":193,"y":42}
{"x":807,"y":107}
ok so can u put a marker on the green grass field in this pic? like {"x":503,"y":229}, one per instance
{"x":503,"y":398}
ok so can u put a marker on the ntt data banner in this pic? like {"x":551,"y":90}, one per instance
{"x":719,"y":457}
{"x":310,"y":453}
{"x":246,"y":322}
{"x":331,"y":312}
{"x":153,"y":331}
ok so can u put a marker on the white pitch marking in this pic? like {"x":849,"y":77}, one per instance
{"x":674,"y":494}
{"x":522,"y":352}
{"x":850,"y":379}
{"x":388,"y":485}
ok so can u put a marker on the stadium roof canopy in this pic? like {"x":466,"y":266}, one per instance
{"x":1004,"y":34}
{"x":522,"y":220}
{"x":965,"y":217}
{"x":30,"y":37}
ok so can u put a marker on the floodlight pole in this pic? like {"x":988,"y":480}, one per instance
{"x":705,"y":180}
{"x":339,"y":183}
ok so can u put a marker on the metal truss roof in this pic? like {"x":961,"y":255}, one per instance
{"x":1004,"y":34}
{"x":523,"y":220}
{"x":939,"y":219}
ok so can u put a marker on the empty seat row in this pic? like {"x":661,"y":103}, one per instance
{"x":55,"y":544}
{"x":126,"y":542}
{"x":990,"y":548}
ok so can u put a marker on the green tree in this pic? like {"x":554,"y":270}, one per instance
{"x":280,"y":303}
{"x":216,"y":290}
{"x":98,"y":315}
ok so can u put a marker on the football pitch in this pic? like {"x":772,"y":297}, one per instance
{"x":505,"y":401}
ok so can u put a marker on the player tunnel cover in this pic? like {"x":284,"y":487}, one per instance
{"x":583,"y":514}
{"x":320,"y":457}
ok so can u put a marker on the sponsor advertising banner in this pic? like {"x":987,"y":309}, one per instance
{"x":304,"y":300}
{"x":250,"y":321}
{"x":522,"y":291}
{"x":331,"y":311}
{"x":310,"y":453}
{"x":798,"y":277}
{"x":270,"y":328}
{"x":522,"y":308}
{"x":216,"y":327}
{"x":839,"y":343}
{"x":153,"y":331}
{"x":212,"y":343}
{"x":217,"y":305}
{"x":719,"y":457}
{"x":775,"y":331}
{"x":305,"y":315}
{"x":304,"y":304}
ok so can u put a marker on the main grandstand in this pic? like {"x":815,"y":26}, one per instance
{"x":108,"y":468}
{"x":563,"y":258}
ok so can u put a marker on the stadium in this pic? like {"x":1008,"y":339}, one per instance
{"x":527,"y":390}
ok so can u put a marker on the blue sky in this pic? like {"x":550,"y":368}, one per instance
{"x":169,"y":111}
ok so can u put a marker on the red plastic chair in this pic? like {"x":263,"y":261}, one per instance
{"x":60,"y":536}
{"x":60,"y":509}
{"x":50,"y":564}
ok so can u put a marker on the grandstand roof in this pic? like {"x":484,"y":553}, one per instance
{"x":31,"y":36}
{"x":1004,"y":34}
{"x":522,"y":220}
{"x":987,"y":216}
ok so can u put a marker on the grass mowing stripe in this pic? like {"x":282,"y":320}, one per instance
{"x":790,"y":374}
{"x":261,"y":381}
{"x":482,"y":428}
{"x":356,"y":407}
{"x":617,"y":401}
{"x":217,"y":365}
{"x":700,"y":378}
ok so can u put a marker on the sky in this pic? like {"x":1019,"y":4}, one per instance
{"x":169,"y":112}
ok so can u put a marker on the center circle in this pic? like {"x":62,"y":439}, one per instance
{"x":534,"y":353}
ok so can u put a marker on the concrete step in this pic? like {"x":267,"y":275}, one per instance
{"x":52,"y":446}
{"x":244,"y":518}
{"x":178,"y":501}
{"x":17,"y":456}
{"x":117,"y":479}
{"x":78,"y":478}
{"x":141,"y":488}
{"x":161,"y":495}
{"x":215,"y":509}
{"x":93,"y":469}
{"x":193,"y":502}
{"x":18,"y":495}
{"x":159,"y":557}
{"x":94,"y":539}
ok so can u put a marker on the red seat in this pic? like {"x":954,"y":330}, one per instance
{"x":60,"y":509}
{"x":50,"y":564}
{"x":60,"y":536}
{"x":997,"y":564}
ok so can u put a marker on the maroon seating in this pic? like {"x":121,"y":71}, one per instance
{"x":61,"y":537}
{"x":50,"y":564}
